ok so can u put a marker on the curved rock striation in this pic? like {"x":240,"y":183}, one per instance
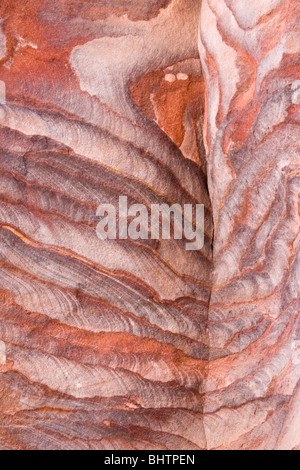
{"x":125,"y":344}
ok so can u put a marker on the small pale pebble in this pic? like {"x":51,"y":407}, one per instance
{"x":170,"y":78}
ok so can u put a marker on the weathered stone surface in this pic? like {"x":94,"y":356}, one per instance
{"x":142,"y":344}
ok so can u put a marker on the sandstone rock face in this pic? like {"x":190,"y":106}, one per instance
{"x":142,"y":344}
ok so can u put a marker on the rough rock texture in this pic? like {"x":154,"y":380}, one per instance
{"x":144,"y":345}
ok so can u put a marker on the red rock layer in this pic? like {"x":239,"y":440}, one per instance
{"x":144,"y":345}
